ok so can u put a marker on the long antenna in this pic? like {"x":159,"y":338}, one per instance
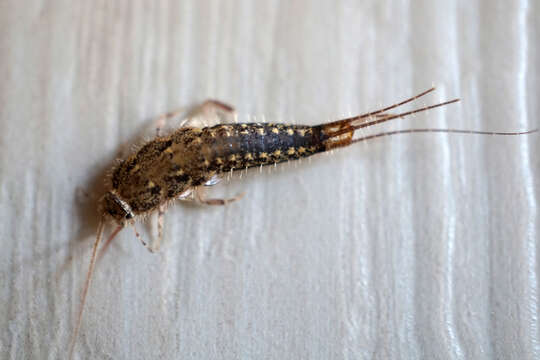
{"x":87,"y":282}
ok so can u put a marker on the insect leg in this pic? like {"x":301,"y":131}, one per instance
{"x":161,"y":217}
{"x":215,"y":104}
{"x":210,"y":113}
{"x":140,"y":237}
{"x":200,"y":198}
{"x":161,"y":120}
{"x":208,"y":108}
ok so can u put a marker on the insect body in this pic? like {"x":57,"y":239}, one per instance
{"x":173,"y":166}
{"x":178,"y":165}
{"x":168,"y":167}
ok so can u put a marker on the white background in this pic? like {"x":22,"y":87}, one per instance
{"x":413,"y":246}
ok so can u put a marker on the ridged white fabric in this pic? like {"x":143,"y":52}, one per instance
{"x":404,"y":247}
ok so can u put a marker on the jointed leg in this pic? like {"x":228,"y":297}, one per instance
{"x":161,"y":217}
{"x":212,"y":104}
{"x":200,"y":198}
{"x":210,"y":113}
{"x":161,"y":120}
{"x":132,"y":223}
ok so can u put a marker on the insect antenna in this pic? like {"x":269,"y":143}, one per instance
{"x":107,"y":243}
{"x":87,"y":282}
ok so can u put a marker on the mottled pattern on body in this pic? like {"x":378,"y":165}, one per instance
{"x":166,"y":167}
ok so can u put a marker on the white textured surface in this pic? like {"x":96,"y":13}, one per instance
{"x":421,"y":246}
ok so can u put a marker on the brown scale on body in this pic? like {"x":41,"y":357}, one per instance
{"x":178,"y":165}
{"x":169,"y":166}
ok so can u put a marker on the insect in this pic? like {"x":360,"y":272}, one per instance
{"x":178,"y":165}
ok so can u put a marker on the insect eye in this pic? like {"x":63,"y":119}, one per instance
{"x":129,"y":215}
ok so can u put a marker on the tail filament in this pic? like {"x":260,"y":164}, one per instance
{"x":340,"y":133}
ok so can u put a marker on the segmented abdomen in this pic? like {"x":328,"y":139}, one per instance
{"x":241,"y":146}
{"x":166,"y":167}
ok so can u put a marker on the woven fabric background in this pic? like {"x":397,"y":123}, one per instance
{"x":405,"y":247}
